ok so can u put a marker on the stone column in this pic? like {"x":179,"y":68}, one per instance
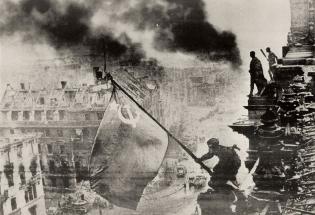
{"x":9,"y":115}
{"x":299,"y":18}
{"x":43,"y":115}
{"x":32,"y":115}
{"x":56,"y":115}
{"x":20,"y":116}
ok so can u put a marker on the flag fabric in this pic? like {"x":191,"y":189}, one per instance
{"x":128,"y":151}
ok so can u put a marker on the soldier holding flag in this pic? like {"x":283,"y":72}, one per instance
{"x":229,"y":162}
{"x":130,"y":146}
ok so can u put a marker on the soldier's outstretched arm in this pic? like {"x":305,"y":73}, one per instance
{"x":206,"y":157}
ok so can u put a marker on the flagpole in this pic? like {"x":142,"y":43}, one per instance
{"x":110,"y":77}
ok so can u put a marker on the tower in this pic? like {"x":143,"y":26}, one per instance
{"x":302,"y":22}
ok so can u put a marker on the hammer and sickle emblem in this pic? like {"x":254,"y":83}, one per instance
{"x":131,"y":119}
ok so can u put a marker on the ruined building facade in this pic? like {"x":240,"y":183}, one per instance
{"x":21,"y":184}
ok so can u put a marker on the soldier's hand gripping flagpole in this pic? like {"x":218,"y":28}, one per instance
{"x":115,"y":84}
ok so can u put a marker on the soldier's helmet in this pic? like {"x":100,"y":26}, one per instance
{"x":213,"y":142}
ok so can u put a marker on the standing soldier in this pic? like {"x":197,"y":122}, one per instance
{"x":272,"y":60}
{"x":256,"y":75}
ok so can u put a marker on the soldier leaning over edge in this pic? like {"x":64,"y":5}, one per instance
{"x":228,"y":165}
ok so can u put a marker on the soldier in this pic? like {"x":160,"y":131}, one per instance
{"x":229,"y":163}
{"x":256,"y":75}
{"x":272,"y":60}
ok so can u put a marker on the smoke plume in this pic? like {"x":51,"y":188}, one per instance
{"x":64,"y":25}
{"x":182,"y":26}
{"x":173,"y":26}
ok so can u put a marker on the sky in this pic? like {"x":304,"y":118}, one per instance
{"x":256,"y":23}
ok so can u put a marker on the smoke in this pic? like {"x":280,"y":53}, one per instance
{"x":182,"y":26}
{"x":60,"y":25}
{"x":140,"y":27}
{"x":64,"y":25}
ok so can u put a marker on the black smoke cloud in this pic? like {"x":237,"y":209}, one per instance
{"x":183,"y":26}
{"x":65,"y":25}
{"x":178,"y":25}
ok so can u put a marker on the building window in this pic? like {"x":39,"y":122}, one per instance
{"x":99,"y":115}
{"x":11,"y":131}
{"x":22,"y":174}
{"x":85,"y":132}
{"x":47,"y":132}
{"x":38,"y":115}
{"x":39,"y":148}
{"x":10,"y":180}
{"x":87,"y":116}
{"x":13,"y":204}
{"x":66,"y":183}
{"x":41,"y":164}
{"x":26,"y":115}
{"x":19,"y":151}
{"x":33,"y":166}
{"x":62,"y":149}
{"x":32,"y":210}
{"x":14,"y":115}
{"x":49,"y":149}
{"x":49,"y":115}
{"x":41,"y":101}
{"x":98,"y":73}
{"x":60,"y":133}
{"x":53,"y":182}
{"x":34,"y":191}
{"x":53,"y":102}
{"x":26,"y":196}
{"x":32,"y":145}
{"x":77,"y":132}
{"x":30,"y":193}
{"x":52,"y":166}
{"x":8,"y":171}
{"x":61,"y":115}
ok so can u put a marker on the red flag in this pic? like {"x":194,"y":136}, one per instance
{"x":127,"y":153}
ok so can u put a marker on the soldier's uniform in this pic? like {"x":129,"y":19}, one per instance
{"x":228,"y":165}
{"x":272,"y":59}
{"x":256,"y":76}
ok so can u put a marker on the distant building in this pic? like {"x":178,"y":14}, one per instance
{"x":67,"y":110}
{"x":67,"y":118}
{"x":21,"y":184}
